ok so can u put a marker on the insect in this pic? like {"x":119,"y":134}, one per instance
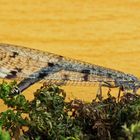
{"x":29,"y":66}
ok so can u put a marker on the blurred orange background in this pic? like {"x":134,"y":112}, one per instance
{"x":102,"y":32}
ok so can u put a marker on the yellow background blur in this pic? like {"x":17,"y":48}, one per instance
{"x":103,"y":32}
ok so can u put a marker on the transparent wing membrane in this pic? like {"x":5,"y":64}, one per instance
{"x":74,"y":78}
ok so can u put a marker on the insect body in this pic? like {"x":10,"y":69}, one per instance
{"x":30,"y":66}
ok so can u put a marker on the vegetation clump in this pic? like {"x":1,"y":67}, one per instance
{"x":49,"y":117}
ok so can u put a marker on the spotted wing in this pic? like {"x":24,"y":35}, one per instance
{"x":75,"y":78}
{"x":19,"y":62}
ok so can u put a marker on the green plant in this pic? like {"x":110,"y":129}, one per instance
{"x":49,"y":117}
{"x":46,"y":115}
{"x":4,"y":135}
{"x":133,"y":131}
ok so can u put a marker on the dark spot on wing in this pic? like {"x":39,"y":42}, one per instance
{"x":18,"y":69}
{"x":60,"y":57}
{"x":86,"y":77}
{"x":50,"y":64}
{"x":14,"y":54}
{"x":65,"y":77}
{"x":109,"y":75}
{"x":42,"y":75}
{"x":13,"y":74}
{"x":85,"y":71}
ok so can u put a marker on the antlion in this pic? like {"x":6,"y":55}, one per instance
{"x":30,"y":66}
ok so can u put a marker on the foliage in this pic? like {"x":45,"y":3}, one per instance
{"x":44,"y":118}
{"x":104,"y":119}
{"x":48,"y":116}
{"x":133,"y":132}
{"x":4,"y":135}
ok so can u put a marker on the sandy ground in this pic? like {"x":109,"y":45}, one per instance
{"x":103,"y":32}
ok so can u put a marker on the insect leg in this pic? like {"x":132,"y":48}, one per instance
{"x":99,"y":92}
{"x":106,"y":84}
